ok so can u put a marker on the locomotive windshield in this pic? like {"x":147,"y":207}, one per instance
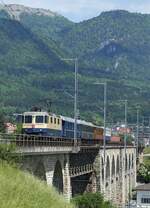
{"x":39,"y":119}
{"x":28,"y":119}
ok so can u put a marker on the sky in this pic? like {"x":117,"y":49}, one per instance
{"x":79,"y":10}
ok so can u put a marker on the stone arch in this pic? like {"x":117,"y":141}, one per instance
{"x":40,"y":171}
{"x":118,"y":165}
{"x":58,"y":177}
{"x":107,"y":168}
{"x":113,"y":166}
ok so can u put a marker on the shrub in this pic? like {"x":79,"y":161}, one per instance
{"x":2,"y":122}
{"x":7,"y":153}
{"x":91,"y":200}
{"x":143,"y":173}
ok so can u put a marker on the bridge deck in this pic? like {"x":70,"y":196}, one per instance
{"x":31,"y":144}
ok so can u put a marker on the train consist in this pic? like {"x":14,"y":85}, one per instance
{"x":47,"y":124}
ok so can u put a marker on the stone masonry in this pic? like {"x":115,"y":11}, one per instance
{"x":114,"y":178}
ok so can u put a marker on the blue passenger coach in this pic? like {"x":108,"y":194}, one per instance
{"x":47,"y":124}
{"x":85,"y":130}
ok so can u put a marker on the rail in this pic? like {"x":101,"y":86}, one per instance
{"x":34,"y":141}
{"x":23,"y":140}
{"x":37,"y":140}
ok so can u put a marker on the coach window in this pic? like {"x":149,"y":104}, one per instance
{"x":28,"y":119}
{"x":58,"y":121}
{"x":54,"y":120}
{"x":46,"y":119}
{"x":51,"y":120}
{"x":39,"y":119}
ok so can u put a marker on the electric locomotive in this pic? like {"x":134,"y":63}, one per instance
{"x":48,"y":124}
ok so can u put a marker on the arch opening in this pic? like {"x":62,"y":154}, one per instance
{"x":113,"y":166}
{"x":58,"y":177}
{"x":132,"y":165}
{"x":129,"y":162}
{"x":118,"y":166}
{"x":102,"y":162}
{"x":107,"y":168}
{"x":126,"y":162}
{"x":40,"y":171}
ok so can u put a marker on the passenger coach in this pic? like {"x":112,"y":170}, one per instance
{"x":47,"y":124}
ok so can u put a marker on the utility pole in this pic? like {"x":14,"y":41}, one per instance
{"x":124,"y":184}
{"x":104,"y":140}
{"x":75,"y":103}
{"x":137,"y":132}
{"x":104,"y":118}
{"x":125,"y":136}
{"x":125,"y":139}
{"x":76,"y":148}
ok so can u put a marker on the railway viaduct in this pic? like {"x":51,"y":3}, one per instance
{"x":85,"y":171}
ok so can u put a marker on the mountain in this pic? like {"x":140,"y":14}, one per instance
{"x":44,"y":23}
{"x":117,"y":42}
{"x":112,"y":47}
{"x":28,"y":67}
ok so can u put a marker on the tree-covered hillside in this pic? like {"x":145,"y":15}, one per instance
{"x":117,"y":42}
{"x":27,"y":66}
{"x":112,"y":47}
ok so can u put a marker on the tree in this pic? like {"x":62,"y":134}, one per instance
{"x":7,"y":154}
{"x":91,"y":200}
{"x":144,"y":173}
{"x":2,"y":122}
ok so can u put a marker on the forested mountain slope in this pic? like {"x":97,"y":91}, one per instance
{"x":112,"y":47}
{"x":117,"y":42}
{"x":26,"y":65}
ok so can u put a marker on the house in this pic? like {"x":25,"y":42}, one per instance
{"x":10,"y":128}
{"x":143,"y":196}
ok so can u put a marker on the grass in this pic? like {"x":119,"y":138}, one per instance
{"x":147,"y":150}
{"x":147,"y":161}
{"x":21,"y":190}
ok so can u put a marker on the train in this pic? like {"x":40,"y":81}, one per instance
{"x":43,"y":123}
{"x":48,"y":124}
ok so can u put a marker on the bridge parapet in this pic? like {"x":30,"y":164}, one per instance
{"x":37,"y":145}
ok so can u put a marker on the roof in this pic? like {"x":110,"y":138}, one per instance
{"x":144,"y":187}
{"x":78,"y":121}
{"x":35,"y":113}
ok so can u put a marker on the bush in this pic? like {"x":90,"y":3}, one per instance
{"x":7,"y":153}
{"x":91,"y":200}
{"x":2,"y":122}
{"x":143,"y":174}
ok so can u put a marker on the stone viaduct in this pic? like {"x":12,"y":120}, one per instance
{"x":85,"y":171}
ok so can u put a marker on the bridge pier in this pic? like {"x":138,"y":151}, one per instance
{"x":54,"y":169}
{"x":67,"y":179}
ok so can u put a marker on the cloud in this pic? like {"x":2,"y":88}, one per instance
{"x":78,"y":10}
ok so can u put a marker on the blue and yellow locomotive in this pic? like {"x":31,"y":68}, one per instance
{"x":48,"y":124}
